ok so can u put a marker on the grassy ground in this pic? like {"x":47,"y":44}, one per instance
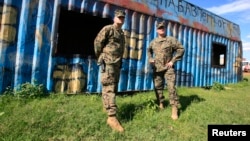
{"x":81,"y":118}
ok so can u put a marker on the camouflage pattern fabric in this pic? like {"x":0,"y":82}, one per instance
{"x":109,"y":47}
{"x":162,"y":51}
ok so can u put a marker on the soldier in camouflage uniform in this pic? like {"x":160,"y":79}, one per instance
{"x":109,"y":47}
{"x":163,"y":52}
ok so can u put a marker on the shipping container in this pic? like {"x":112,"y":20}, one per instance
{"x":50,"y":42}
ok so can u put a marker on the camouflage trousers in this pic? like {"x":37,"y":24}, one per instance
{"x":109,"y":80}
{"x":169,"y":77}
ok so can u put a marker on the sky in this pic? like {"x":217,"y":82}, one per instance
{"x":236,"y":11}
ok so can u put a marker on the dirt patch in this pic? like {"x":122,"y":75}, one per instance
{"x":246,"y":74}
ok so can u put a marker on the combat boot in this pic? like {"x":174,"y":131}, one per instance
{"x":161,"y":105}
{"x":174,"y":115}
{"x":114,"y":124}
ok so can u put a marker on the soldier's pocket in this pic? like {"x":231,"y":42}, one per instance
{"x":107,"y":78}
{"x":170,"y":71}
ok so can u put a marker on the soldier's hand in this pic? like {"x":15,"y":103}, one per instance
{"x":152,"y":61}
{"x":169,"y":64}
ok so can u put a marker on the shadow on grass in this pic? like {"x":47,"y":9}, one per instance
{"x":186,"y":101}
{"x":128,"y":111}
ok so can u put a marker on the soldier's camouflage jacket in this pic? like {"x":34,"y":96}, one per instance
{"x":109,"y":45}
{"x":164,"y":50}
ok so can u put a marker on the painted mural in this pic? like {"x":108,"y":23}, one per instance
{"x":36,"y":45}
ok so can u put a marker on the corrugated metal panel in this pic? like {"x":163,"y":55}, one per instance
{"x":29,"y":38}
{"x":185,"y":13}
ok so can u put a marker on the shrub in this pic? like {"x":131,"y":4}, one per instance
{"x":217,"y":86}
{"x":245,"y":79}
{"x":27,"y":90}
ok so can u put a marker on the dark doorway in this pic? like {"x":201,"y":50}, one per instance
{"x":77,"y":32}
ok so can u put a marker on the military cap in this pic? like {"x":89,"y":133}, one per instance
{"x":160,"y":24}
{"x":120,"y":13}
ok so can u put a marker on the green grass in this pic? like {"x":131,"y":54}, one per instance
{"x":60,"y":117}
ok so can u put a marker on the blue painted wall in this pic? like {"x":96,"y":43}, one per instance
{"x":29,"y":35}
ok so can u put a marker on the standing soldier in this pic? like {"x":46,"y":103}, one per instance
{"x":163,"y":52}
{"x":109,"y":46}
